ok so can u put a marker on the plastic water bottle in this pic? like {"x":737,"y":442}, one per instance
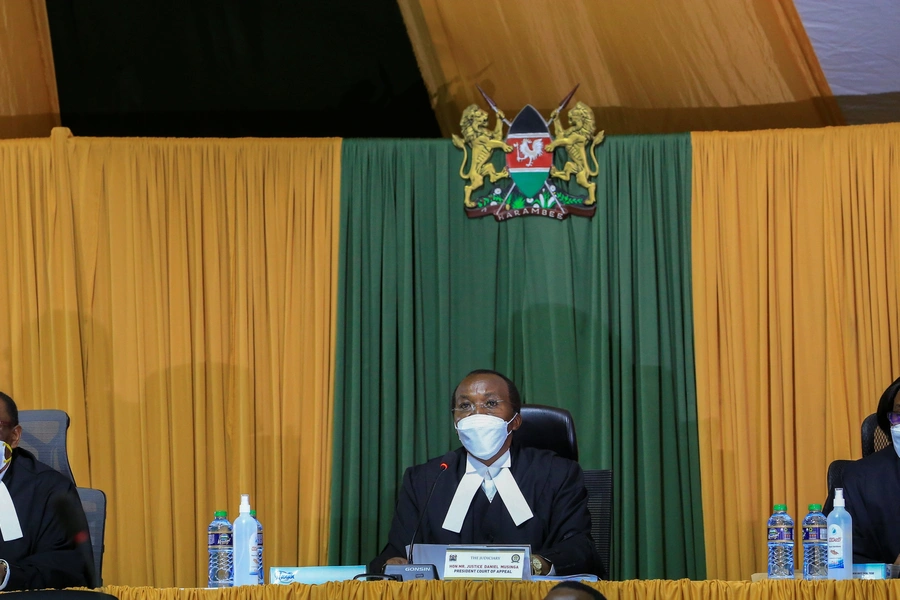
{"x":781,"y":544}
{"x":815,"y":544}
{"x":259,"y":547}
{"x":246,"y":565}
{"x":221,"y":552}
{"x":840,"y":539}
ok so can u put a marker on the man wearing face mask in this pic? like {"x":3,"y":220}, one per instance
{"x":35,"y":552}
{"x":871,"y":488}
{"x":495,"y":491}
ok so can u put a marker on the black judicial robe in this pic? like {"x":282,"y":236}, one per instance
{"x":872,"y":497}
{"x":560,"y":529}
{"x":44,"y":557}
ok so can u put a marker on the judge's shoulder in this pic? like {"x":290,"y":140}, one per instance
{"x":29,"y":467}
{"x":873,"y":465}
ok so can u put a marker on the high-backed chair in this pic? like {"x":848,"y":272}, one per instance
{"x":873,"y":437}
{"x":550,"y":428}
{"x":44,"y":435}
{"x":94,"y":504}
{"x":599,"y":486}
{"x":836,"y":474}
{"x":553,"y":428}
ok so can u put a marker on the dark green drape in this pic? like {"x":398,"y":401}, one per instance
{"x":592,"y":315}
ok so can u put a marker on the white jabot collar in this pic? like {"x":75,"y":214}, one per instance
{"x":468,"y":486}
{"x":10,"y":528}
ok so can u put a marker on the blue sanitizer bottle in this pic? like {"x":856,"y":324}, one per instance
{"x":246,"y":566}
{"x":840,"y":539}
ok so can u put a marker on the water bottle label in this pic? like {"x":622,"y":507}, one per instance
{"x":781,"y":533}
{"x":814,"y":533}
{"x":220,"y":539}
{"x":835,"y":547}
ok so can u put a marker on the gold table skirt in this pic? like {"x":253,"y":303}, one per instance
{"x":683,"y":589}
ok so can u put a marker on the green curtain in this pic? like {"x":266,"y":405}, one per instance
{"x":591,"y":315}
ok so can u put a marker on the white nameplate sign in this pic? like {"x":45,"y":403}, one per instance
{"x":487,"y":562}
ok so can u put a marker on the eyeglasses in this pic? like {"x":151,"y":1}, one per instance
{"x":466,"y":408}
{"x":894,"y":418}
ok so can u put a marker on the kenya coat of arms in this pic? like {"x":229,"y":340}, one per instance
{"x":534,"y":180}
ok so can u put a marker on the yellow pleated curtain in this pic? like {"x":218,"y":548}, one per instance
{"x":29,"y":106}
{"x":656,"y":589}
{"x":176,"y":298}
{"x":796,"y":283}
{"x":644,"y":66}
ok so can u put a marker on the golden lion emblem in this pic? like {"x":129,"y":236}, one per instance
{"x":483,"y":142}
{"x":575,"y":140}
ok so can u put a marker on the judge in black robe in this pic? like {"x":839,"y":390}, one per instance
{"x":45,"y":556}
{"x":553,"y":487}
{"x":871,"y":489}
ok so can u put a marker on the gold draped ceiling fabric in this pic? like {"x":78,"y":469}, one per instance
{"x":29,"y":106}
{"x":644,"y":66}
{"x":176,"y":298}
{"x":683,"y":589}
{"x":796,"y":285}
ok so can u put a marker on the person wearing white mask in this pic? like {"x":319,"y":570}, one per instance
{"x":494,"y":491}
{"x":35,"y":552}
{"x":871,"y":488}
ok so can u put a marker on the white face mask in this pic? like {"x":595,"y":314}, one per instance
{"x":5,"y":456}
{"x":483,"y":435}
{"x":895,"y":437}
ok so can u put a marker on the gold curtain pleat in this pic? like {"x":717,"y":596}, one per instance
{"x":176,"y":297}
{"x":796,"y":283}
{"x":644,"y":66}
{"x":29,"y":105}
{"x":518,"y":590}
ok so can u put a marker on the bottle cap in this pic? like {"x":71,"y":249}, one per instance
{"x":245,"y":503}
{"x":220,"y":514}
{"x":253,"y":513}
{"x":815,"y":507}
{"x":780,"y":508}
{"x":839,"y":497}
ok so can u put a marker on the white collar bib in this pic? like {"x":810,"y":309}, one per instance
{"x":468,"y":486}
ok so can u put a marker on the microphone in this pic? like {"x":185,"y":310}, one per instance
{"x":413,"y":571}
{"x":445,"y":461}
{"x":68,"y":510}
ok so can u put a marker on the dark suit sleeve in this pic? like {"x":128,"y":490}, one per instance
{"x":53,"y":562}
{"x":867,"y":547}
{"x":569,"y":546}
{"x":406,"y":514}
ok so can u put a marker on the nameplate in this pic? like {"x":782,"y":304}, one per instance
{"x":487,"y":562}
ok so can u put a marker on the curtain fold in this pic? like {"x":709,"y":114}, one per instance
{"x":29,"y":105}
{"x":592,"y":315}
{"x":176,"y":297}
{"x":796,"y":251}
{"x":733,"y":66}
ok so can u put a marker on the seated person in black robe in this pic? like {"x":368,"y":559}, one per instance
{"x":871,"y":488}
{"x":35,"y":551}
{"x":495,"y":491}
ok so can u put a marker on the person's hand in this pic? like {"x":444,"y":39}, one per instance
{"x":397,"y":560}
